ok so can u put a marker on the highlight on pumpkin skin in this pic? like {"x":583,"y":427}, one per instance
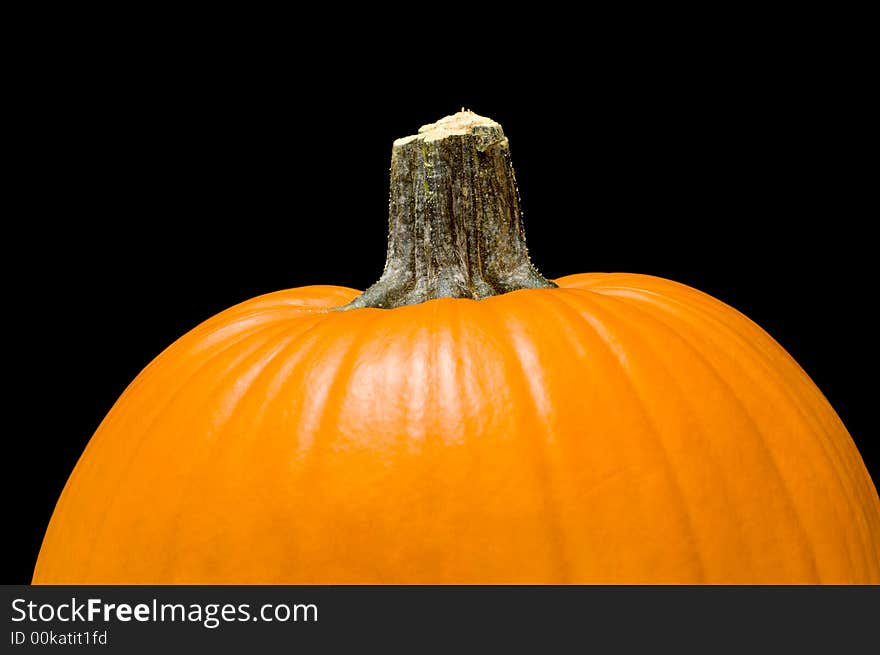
{"x":608,"y":428}
{"x":618,"y":429}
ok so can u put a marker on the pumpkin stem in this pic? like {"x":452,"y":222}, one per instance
{"x":455,"y":225}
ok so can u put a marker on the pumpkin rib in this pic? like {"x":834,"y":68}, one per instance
{"x":516,"y":339}
{"x":578,"y":307}
{"x":590,"y":319}
{"x":445,"y":387}
{"x":296,"y":340}
{"x":262,"y":337}
{"x":841,"y":466}
{"x":193,"y":344}
{"x":310,"y":440}
{"x":85,"y":468}
{"x":295,"y":349}
{"x":843,"y":455}
{"x":761,"y":440}
{"x":248,"y":369}
{"x":448,"y":388}
{"x":808,"y":395}
{"x":708,"y":311}
{"x":331,"y":405}
{"x":311,"y":396}
{"x":416,"y":345}
{"x":577,"y":294}
{"x":822,"y":431}
{"x":290,"y":361}
{"x":280,"y":352}
{"x":574,"y":323}
{"x":701,"y":333}
{"x":446,"y":393}
{"x":567,"y":455}
{"x":559,"y":457}
{"x":847,"y":485}
{"x":293,"y":330}
{"x":309,"y":299}
{"x":299,"y":352}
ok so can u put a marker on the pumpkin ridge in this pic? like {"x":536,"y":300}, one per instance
{"x":447,"y":346}
{"x":709,"y":312}
{"x":254,"y":364}
{"x":677,"y":333}
{"x":170,"y":372}
{"x":282,"y":382}
{"x":842,"y":458}
{"x":847,"y":483}
{"x":806,"y":395}
{"x":701,"y":304}
{"x":558,"y":456}
{"x":148,"y":431}
{"x":542,"y":468}
{"x":290,"y":359}
{"x":309,"y":299}
{"x":574,"y":294}
{"x":692,"y":538}
{"x":169,"y":356}
{"x":84,"y":467}
{"x":761,"y":439}
{"x":341,"y":377}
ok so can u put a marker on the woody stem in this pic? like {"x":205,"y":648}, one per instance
{"x":455,"y":225}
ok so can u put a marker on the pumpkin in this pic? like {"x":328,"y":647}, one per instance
{"x":605,"y":428}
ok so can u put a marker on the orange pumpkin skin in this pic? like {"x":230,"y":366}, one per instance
{"x":619,"y":429}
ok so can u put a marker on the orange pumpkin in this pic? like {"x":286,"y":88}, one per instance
{"x":620,"y":428}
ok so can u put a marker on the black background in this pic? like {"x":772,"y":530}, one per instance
{"x":160,"y":189}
